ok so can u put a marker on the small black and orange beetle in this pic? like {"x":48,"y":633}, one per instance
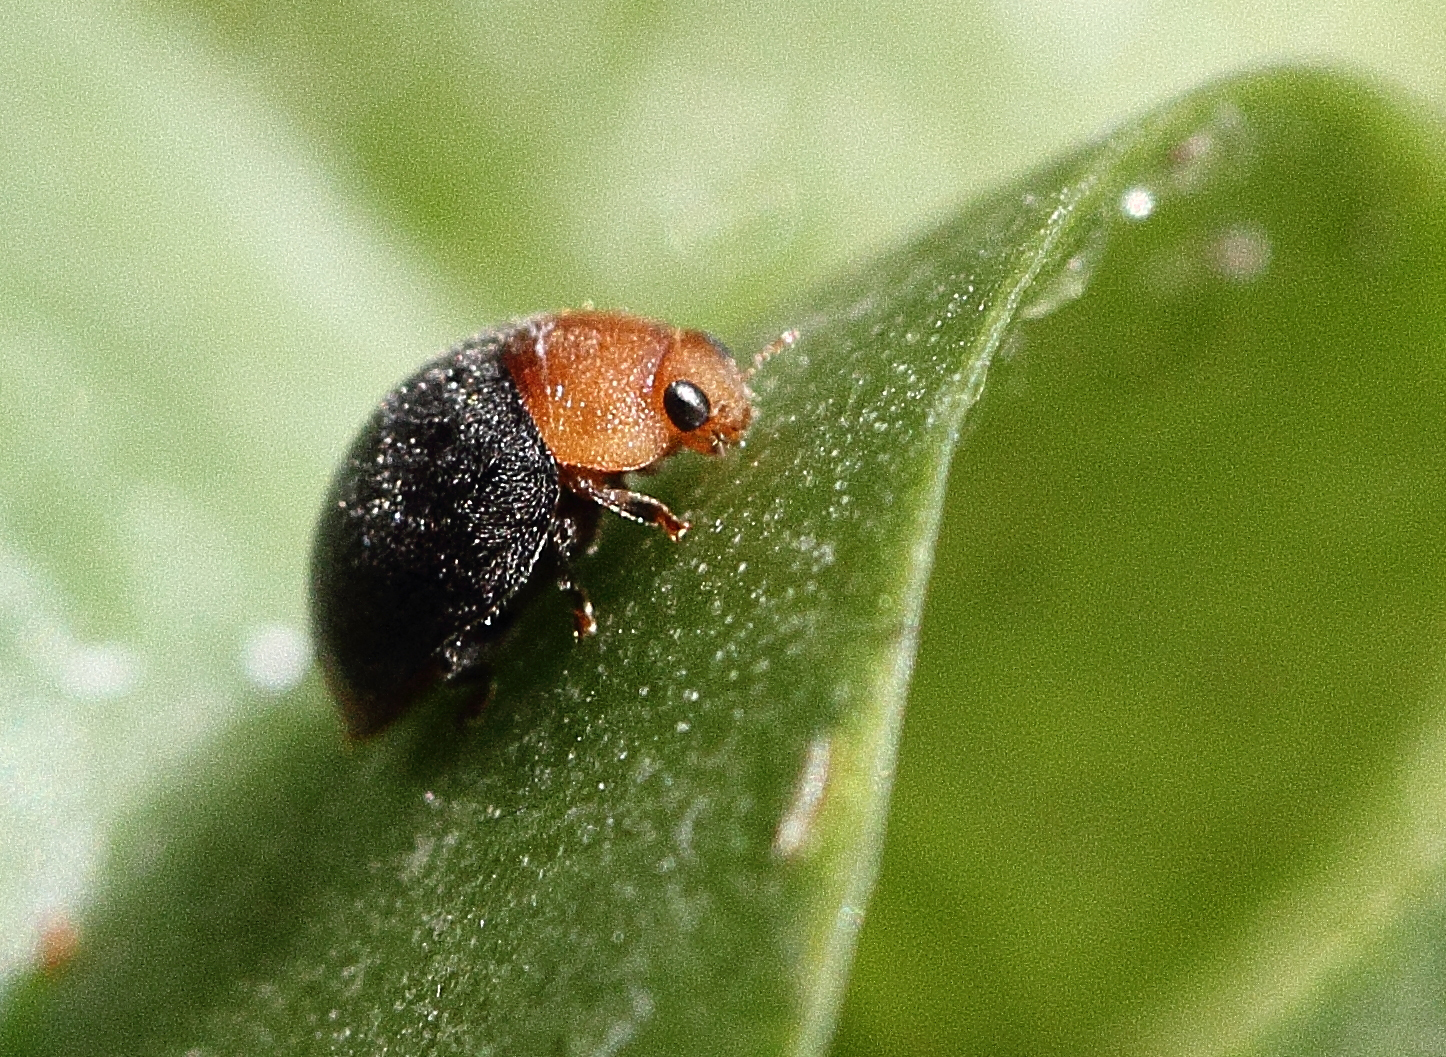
{"x":485,"y":473}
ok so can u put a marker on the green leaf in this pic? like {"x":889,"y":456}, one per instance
{"x":666,"y":836}
{"x":1172,"y":775}
{"x":662,"y":836}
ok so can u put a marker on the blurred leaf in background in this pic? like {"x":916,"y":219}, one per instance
{"x":1176,"y":695}
{"x":1172,"y":766}
{"x":696,"y":159}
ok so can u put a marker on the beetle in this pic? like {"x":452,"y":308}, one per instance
{"x":484,"y":474}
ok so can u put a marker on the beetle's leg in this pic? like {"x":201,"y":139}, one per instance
{"x":476,"y":683}
{"x":584,"y":623}
{"x":461,"y":666}
{"x":571,"y":527}
{"x":632,"y":505}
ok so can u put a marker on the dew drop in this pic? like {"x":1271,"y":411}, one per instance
{"x":1137,"y":203}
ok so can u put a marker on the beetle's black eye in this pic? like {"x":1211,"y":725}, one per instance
{"x":687,"y":405}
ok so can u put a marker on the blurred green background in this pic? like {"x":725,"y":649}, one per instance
{"x":301,"y":186}
{"x":692,"y":159}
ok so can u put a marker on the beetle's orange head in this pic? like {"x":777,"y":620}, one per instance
{"x":701,"y":393}
{"x":612,"y":392}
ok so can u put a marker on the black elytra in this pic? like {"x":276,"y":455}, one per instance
{"x":442,"y":511}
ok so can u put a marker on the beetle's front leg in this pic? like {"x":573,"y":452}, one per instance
{"x":634,"y":506}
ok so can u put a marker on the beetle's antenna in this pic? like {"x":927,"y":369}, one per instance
{"x":773,"y":348}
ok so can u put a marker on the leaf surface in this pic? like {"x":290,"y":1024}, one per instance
{"x":666,"y":836}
